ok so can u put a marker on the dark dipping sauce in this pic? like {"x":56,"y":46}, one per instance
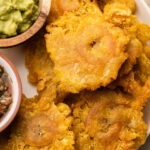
{"x":5,"y":92}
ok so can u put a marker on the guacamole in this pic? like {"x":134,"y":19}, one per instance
{"x":16,"y":16}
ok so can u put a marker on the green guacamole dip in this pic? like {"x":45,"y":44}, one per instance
{"x":16,"y":16}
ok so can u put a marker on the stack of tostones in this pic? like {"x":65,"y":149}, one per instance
{"x":91,"y":69}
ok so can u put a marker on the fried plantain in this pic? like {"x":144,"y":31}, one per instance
{"x":108,"y":120}
{"x":42,"y":127}
{"x":86,"y":50}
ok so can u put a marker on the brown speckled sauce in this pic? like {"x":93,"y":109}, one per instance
{"x":5,"y":92}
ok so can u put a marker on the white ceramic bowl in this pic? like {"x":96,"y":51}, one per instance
{"x":16,"y":90}
{"x":44,"y":9}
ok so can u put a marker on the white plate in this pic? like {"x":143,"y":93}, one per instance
{"x":16,"y":55}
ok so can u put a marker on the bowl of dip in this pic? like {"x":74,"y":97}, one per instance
{"x":21,"y":19}
{"x":10,"y":92}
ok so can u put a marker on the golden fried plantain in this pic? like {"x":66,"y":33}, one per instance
{"x":118,"y":14}
{"x":108,"y":120}
{"x":41,"y":127}
{"x":41,"y":68}
{"x":87,"y":51}
{"x":59,"y":7}
{"x":128,"y":3}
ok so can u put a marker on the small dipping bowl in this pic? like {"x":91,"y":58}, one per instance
{"x":15,"y":89}
{"x":44,"y":9}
